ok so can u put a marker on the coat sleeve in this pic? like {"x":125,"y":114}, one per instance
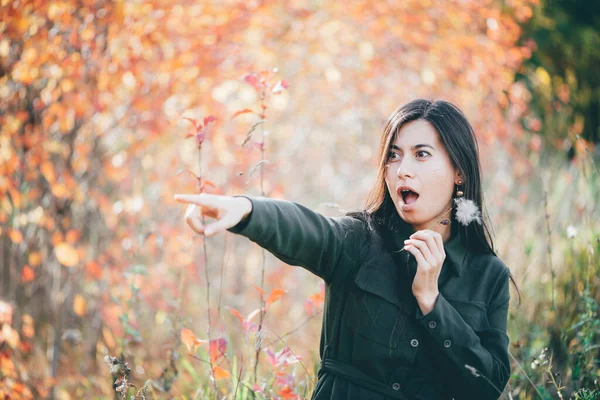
{"x":481,"y":359}
{"x":299,"y":236}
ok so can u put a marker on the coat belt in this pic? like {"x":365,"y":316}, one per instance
{"x":358,"y":377}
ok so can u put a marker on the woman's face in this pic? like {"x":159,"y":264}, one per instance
{"x":418,"y":159}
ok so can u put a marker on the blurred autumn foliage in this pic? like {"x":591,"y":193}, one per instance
{"x":108,"y":108}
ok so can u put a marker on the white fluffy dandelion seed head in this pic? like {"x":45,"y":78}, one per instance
{"x":571,"y":231}
{"x":467,"y":211}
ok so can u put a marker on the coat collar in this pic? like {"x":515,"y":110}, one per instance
{"x":379,"y":276}
{"x":455,"y":247}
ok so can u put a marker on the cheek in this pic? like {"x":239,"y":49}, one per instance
{"x":443,"y":182}
{"x":388,"y":177}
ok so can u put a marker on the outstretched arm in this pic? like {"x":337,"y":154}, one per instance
{"x":290,"y":231}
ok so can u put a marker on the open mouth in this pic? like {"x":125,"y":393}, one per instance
{"x":408,"y":196}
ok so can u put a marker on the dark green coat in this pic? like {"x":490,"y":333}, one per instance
{"x":375,"y":342}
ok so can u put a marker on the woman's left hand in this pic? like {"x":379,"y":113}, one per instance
{"x":428,"y":248}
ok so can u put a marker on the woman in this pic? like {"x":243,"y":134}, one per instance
{"x":416,"y":300}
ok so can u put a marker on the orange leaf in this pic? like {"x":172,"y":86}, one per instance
{"x":275,"y":295}
{"x":27,"y":274}
{"x":60,"y":190}
{"x":220,"y":373}
{"x":209,"y":187}
{"x":35,"y":258}
{"x":47,"y":169}
{"x":79,"y":305}
{"x":93,"y":269}
{"x":66,"y":254}
{"x":317,"y":298}
{"x":72,"y":236}
{"x":237,"y":314}
{"x":262,"y":294}
{"x":28,"y":328}
{"x":190,"y":340}
{"x":15,"y":235}
{"x":244,"y":111}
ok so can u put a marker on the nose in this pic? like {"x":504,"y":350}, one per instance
{"x":404,"y":169}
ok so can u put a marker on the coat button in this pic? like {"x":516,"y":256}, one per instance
{"x":396,"y":386}
{"x":432,"y":324}
{"x":414,"y":343}
{"x":447,"y":343}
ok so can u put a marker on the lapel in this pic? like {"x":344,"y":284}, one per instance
{"x":454,"y":248}
{"x":389,"y":274}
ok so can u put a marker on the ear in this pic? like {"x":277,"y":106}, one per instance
{"x":458,"y":177}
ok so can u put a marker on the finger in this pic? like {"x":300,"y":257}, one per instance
{"x":196,"y":224}
{"x":424,"y":249}
{"x":203,"y":199}
{"x":436,"y":239}
{"x":440,"y":244}
{"x":189,"y":211}
{"x":429,"y":237}
{"x":208,"y":212}
{"x":219,"y":226}
{"x":417,"y":253}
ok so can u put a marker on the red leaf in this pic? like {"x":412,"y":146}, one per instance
{"x":287,"y":393}
{"x":209,"y":120}
{"x":27,"y":274}
{"x":253,"y":80}
{"x":217,"y":348}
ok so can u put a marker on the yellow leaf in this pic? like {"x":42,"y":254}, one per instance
{"x":220,"y":373}
{"x":79,"y":305}
{"x":66,"y":255}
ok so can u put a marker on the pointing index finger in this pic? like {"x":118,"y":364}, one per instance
{"x":201,"y":199}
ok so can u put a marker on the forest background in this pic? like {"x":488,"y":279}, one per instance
{"x":108,"y":108}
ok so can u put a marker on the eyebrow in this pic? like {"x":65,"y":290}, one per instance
{"x":416,"y":146}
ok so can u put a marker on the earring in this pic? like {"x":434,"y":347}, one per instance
{"x":459,"y":193}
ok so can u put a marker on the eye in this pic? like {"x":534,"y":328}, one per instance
{"x":423,"y":151}
{"x":393,"y":156}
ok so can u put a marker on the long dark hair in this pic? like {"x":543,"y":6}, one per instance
{"x":458,"y":137}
